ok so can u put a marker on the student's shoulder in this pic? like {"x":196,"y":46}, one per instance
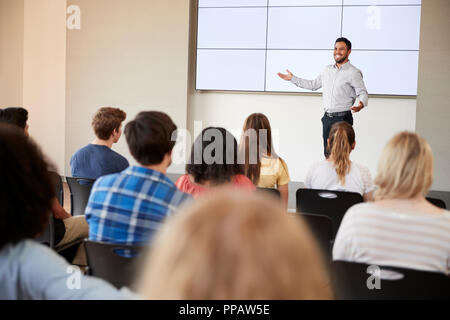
{"x":30,"y":250}
{"x":362,"y":168}
{"x":82,"y":150}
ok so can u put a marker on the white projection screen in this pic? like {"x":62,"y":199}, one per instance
{"x":243,"y":44}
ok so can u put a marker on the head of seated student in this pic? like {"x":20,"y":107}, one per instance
{"x":107,"y":125}
{"x":405,"y":168}
{"x":341,"y":141}
{"x":234,"y":246}
{"x":15,"y":115}
{"x":151,"y":137}
{"x":26,"y":187}
{"x":256,"y":148}
{"x":214,"y":161}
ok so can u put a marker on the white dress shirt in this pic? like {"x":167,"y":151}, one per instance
{"x":342,"y":87}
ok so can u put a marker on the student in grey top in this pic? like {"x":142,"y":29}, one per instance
{"x":29,"y":270}
{"x":344,"y":91}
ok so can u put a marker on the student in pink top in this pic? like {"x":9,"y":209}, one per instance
{"x":214,"y":162}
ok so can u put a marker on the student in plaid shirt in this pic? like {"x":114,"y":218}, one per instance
{"x":128,"y":207}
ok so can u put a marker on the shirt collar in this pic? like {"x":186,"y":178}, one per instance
{"x":148,"y":174}
{"x":344,"y":66}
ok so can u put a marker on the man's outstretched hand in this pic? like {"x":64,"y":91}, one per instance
{"x":287,"y":76}
{"x":358,"y":107}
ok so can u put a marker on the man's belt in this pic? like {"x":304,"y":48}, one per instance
{"x":337,"y":114}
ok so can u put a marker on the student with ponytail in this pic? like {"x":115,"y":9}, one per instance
{"x":338,"y":172}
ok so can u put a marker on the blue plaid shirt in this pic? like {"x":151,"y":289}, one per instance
{"x":128,"y":207}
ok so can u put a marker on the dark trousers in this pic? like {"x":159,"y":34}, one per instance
{"x":327,"y":123}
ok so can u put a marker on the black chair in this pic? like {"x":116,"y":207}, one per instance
{"x":333,"y":204}
{"x":322,"y":228}
{"x":58,"y":187}
{"x":48,"y":236}
{"x":106,"y":261}
{"x":437,"y":202}
{"x":80,"y":189}
{"x":351,"y":280}
{"x":271,"y":191}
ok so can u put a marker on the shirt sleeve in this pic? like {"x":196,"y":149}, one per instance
{"x":44,"y":275}
{"x":367,"y":178}
{"x":283,"y":173}
{"x":313,"y":85}
{"x":310,"y":175}
{"x":360,"y":88}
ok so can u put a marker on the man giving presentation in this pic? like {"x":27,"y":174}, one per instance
{"x":344,"y":91}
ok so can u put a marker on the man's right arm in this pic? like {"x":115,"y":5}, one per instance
{"x":308,"y":84}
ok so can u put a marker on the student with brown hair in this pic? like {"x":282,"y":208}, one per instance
{"x":262,"y":165}
{"x":234,"y":245}
{"x":29,"y":270}
{"x":97,"y":158}
{"x":400,"y":228}
{"x":129,"y":206}
{"x":338,"y":172}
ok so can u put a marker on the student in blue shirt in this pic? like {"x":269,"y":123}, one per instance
{"x":97,"y":158}
{"x":128,"y":207}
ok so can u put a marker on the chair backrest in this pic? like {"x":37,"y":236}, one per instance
{"x":271,"y":191}
{"x":80,"y":189}
{"x":352,"y":280}
{"x":59,"y":190}
{"x":48,"y":236}
{"x":322,"y":228}
{"x":437,"y":202}
{"x":106,"y":262}
{"x":333,"y":204}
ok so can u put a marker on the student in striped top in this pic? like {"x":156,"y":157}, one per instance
{"x":400,"y":228}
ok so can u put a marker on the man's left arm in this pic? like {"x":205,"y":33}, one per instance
{"x":360,"y":90}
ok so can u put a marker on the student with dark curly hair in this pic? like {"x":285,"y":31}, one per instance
{"x":29,"y":270}
{"x":214,"y":162}
{"x":68,"y":229}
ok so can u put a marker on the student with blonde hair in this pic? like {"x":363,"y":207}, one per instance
{"x":338,"y":172}
{"x":234,"y":246}
{"x":262,"y":164}
{"x":400,"y":228}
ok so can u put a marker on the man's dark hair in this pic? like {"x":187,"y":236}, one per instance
{"x":17,"y":116}
{"x":149,"y":137}
{"x":347,"y":42}
{"x":26,"y":187}
{"x":216,"y":173}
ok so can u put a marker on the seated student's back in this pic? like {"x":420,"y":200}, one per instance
{"x":214,"y":162}
{"x":400,"y":228}
{"x":97,"y":158}
{"x":338,"y":172}
{"x":29,"y":270}
{"x":93,"y":161}
{"x":262,"y":164}
{"x":129,"y":206}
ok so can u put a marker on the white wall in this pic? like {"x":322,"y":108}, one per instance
{"x":433,"y":111}
{"x":44,"y":72}
{"x":11,"y":52}
{"x":130,"y":54}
